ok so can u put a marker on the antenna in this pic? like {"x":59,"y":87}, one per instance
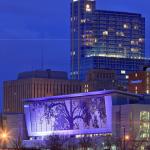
{"x":42,"y":59}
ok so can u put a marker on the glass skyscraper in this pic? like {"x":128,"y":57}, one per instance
{"x":104,"y":35}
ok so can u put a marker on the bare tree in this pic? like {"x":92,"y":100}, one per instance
{"x":136,"y":140}
{"x":85,"y":143}
{"x":17,"y":143}
{"x":71,"y":144}
{"x":55,"y":142}
{"x":110,"y":141}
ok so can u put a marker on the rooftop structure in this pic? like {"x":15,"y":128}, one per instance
{"x":48,"y":74}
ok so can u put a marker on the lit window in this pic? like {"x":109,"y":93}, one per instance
{"x":123,"y":72}
{"x":136,"y":92}
{"x":86,"y":88}
{"x":120,"y":45}
{"x":105,"y":33}
{"x":88,"y":8}
{"x":136,"y":88}
{"x":127,"y":77}
{"x":134,"y":49}
{"x":144,"y":124}
{"x":147,"y":91}
{"x":136,"y":27}
{"x":125,"y":26}
{"x":136,"y":75}
{"x":73,"y":53}
{"x":120,"y":33}
{"x":83,"y":20}
{"x":132,"y":42}
{"x":95,"y":40}
{"x":141,"y":40}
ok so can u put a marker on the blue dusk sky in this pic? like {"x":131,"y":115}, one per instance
{"x":29,"y":26}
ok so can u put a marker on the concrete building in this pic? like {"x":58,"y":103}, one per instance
{"x":100,"y":79}
{"x":36,"y":84}
{"x":134,"y":118}
{"x":139,"y":82}
{"x":92,"y":114}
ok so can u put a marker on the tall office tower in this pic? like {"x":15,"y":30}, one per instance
{"x":82,"y":36}
{"x":103,"y":34}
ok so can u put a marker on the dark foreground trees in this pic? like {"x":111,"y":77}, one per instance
{"x":55,"y":142}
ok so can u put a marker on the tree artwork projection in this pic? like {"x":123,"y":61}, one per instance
{"x":68,"y":114}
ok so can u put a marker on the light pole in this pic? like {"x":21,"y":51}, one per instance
{"x":124,"y":140}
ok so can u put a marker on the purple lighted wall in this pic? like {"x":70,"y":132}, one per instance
{"x":76,"y":115}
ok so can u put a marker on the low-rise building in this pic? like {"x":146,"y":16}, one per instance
{"x":37,"y":84}
{"x":100,"y":79}
{"x":139,"y":82}
{"x":92,"y":114}
{"x":44,"y":83}
{"x":100,"y":113}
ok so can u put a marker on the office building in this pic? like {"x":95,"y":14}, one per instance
{"x":139,"y":82}
{"x":100,"y":79}
{"x":105,"y":37}
{"x":36,"y":84}
{"x":121,"y":66}
{"x":39,"y":83}
{"x":93,"y":114}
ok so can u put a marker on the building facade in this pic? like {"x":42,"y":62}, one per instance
{"x":134,"y":118}
{"x":48,"y":83}
{"x":91,"y":114}
{"x":121,"y":66}
{"x":104,"y":35}
{"x":98,"y":79}
{"x":139,"y":82}
{"x":36,"y":84}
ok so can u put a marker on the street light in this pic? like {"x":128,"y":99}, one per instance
{"x":127,"y":137}
{"x":124,"y":132}
{"x":4,"y":137}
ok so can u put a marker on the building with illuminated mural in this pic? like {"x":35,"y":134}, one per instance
{"x":94,"y":114}
{"x":106,"y":39}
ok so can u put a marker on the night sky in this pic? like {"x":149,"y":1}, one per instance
{"x":28,"y":27}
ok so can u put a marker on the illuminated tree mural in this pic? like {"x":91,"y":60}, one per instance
{"x":69,"y":114}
